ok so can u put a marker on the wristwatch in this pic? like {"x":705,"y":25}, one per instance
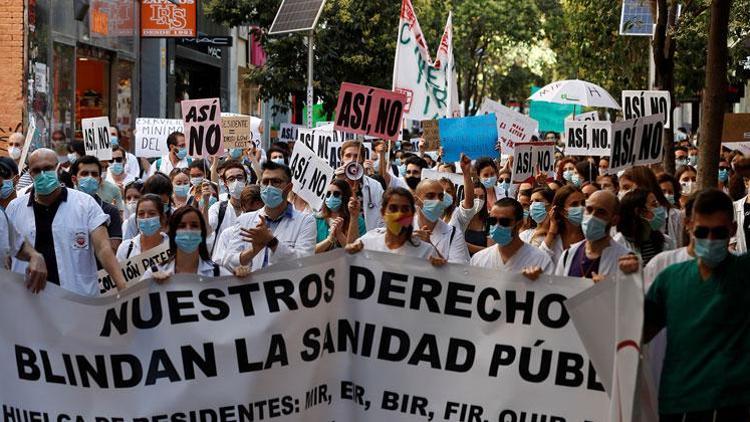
{"x":273,"y":243}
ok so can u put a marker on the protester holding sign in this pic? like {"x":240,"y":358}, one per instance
{"x":339,"y":222}
{"x":446,"y":238}
{"x":177,"y":157}
{"x":151,"y":220}
{"x":368,"y":190}
{"x":275,"y":233}
{"x":598,"y":256}
{"x":188,"y":249}
{"x":565,"y":219}
{"x":66,"y":227}
{"x":396,"y":237}
{"x":511,"y":254}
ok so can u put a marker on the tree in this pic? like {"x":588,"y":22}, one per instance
{"x":714,"y":98}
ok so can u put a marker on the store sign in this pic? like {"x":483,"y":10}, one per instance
{"x":99,"y":22}
{"x":162,"y":18}
{"x":213,"y":50}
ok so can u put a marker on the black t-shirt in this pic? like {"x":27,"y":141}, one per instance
{"x":114,"y":228}
{"x":746,"y":225}
{"x":45,"y":242}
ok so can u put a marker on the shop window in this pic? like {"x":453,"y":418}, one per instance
{"x":125,"y":100}
{"x":92,"y":85}
{"x":63,"y":94}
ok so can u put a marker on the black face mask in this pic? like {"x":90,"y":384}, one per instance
{"x":412,"y":181}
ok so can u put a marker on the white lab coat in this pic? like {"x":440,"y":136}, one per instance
{"x":525,"y":257}
{"x":673,"y":227}
{"x":449,"y":241}
{"x":739,"y":218}
{"x":296,"y":233}
{"x":230,"y":217}
{"x":374,"y":240}
{"x":132,"y":169}
{"x":166,"y":166}
{"x":122,"y":250}
{"x":77,"y":216}
{"x":205,"y":269}
{"x":372,"y":201}
{"x":11,"y":241}
{"x":608,"y":263}
{"x":462,"y":217}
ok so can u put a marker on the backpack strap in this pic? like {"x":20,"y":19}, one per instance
{"x":453,"y":233}
{"x":130,"y":248}
{"x":565,"y":257}
{"x":222,"y":213}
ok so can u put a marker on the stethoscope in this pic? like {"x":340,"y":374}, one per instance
{"x":370,"y":204}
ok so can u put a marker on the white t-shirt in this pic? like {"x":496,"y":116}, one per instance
{"x":525,"y":257}
{"x":165,"y":165}
{"x":462,"y":217}
{"x":122,"y":250}
{"x":230,"y":217}
{"x":374,"y":240}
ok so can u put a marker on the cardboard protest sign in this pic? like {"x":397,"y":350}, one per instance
{"x":431,"y":135}
{"x":591,"y":116}
{"x":586,"y":138}
{"x":512,"y":126}
{"x":133,"y":268}
{"x":369,"y":111}
{"x":151,"y":136}
{"x":474,"y":136}
{"x":736,"y":127}
{"x":288,"y":132}
{"x":96,"y":137}
{"x":455,"y":178}
{"x":311,"y":175}
{"x":236,"y":131}
{"x":327,"y":144}
{"x":203,"y":127}
{"x":531,"y":157}
{"x":637,"y":104}
{"x":636,"y":142}
{"x":361,"y":335}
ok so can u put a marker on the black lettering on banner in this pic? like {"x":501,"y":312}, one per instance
{"x":569,"y":369}
{"x":600,"y":138}
{"x":544,"y":363}
{"x":175,"y":307}
{"x":89,"y":138}
{"x":276,"y":355}
{"x":103,"y":138}
{"x":279,"y":291}
{"x":356,"y":289}
{"x":208,"y":298}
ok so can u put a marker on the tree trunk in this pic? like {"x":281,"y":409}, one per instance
{"x":664,"y":46}
{"x":714,"y":95}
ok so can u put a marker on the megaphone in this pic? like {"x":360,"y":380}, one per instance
{"x":354,"y":171}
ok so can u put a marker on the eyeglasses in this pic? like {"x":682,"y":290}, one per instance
{"x":505,"y":222}
{"x":701,"y":232}
{"x":335,"y":194}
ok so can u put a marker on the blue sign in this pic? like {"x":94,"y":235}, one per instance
{"x":474,"y":136}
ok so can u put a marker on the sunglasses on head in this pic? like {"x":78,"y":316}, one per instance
{"x":505,"y":222}
{"x":336,"y":194}
{"x":701,"y":232}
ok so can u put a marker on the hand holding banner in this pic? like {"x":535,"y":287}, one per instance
{"x":369,"y":111}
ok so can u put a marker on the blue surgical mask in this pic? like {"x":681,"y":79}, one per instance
{"x":182,"y":153}
{"x":211,"y":201}
{"x":712,"y":252}
{"x":568,"y":175}
{"x":670,"y":198}
{"x":693,"y":160}
{"x":272,"y":196}
{"x":660,"y":216}
{"x":88,"y":185}
{"x":680,"y":162}
{"x":72,"y":157}
{"x":46,"y":182}
{"x":167,"y":208}
{"x":538,"y":211}
{"x":181,"y":191}
{"x":195,"y":181}
{"x":279,"y":161}
{"x":333,"y":203}
{"x":489,"y":182}
{"x":575,"y":215}
{"x":723,"y":175}
{"x":397,"y":162}
{"x":525,"y":214}
{"x":398,"y":144}
{"x":505,"y":185}
{"x":235,"y":153}
{"x":501,"y":235}
{"x":117,"y":168}
{"x":402,"y":169}
{"x":113,"y":141}
{"x":188,"y":240}
{"x":594,"y":228}
{"x":7,"y":189}
{"x":447,"y":200}
{"x":432,"y":209}
{"x":575,"y":179}
{"x":149,"y":226}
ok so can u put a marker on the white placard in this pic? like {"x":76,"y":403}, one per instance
{"x":587,"y":138}
{"x":151,"y":136}
{"x":637,"y":142}
{"x":311,"y":175}
{"x":512,"y":126}
{"x":531,"y":157}
{"x":637,"y":104}
{"x":96,"y":137}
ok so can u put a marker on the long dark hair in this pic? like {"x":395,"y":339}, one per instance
{"x":346,"y":194}
{"x":561,"y":195}
{"x":398,"y":191}
{"x":631,"y":222}
{"x":174,"y":222}
{"x":483,"y":213}
{"x":644,"y":178}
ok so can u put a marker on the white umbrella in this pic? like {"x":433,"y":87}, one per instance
{"x":576,"y":92}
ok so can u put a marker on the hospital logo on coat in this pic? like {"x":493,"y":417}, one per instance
{"x":81,"y":240}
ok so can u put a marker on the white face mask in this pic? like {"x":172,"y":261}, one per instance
{"x":14,"y":152}
{"x":235,"y":188}
{"x":688,"y":187}
{"x":622,"y":194}
{"x":131,"y":206}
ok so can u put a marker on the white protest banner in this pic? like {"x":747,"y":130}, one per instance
{"x":637,"y":142}
{"x":327,"y":144}
{"x":532,"y":157}
{"x":332,"y":337}
{"x":591,"y":116}
{"x":236,"y":131}
{"x":512,"y":126}
{"x":133,"y":268}
{"x":288,"y":132}
{"x":311,"y":175}
{"x":96,"y":137}
{"x":30,"y":133}
{"x":587,"y":138}
{"x":455,"y":178}
{"x":203,"y":127}
{"x":151,"y":136}
{"x":365,"y":110}
{"x":637,"y":104}
{"x":430,"y":87}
